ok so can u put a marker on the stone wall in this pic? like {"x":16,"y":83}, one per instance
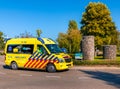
{"x":109,"y":51}
{"x":88,"y":47}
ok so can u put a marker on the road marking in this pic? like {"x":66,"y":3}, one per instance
{"x":25,"y":75}
{"x":2,"y":73}
{"x":53,"y":76}
{"x":83,"y":77}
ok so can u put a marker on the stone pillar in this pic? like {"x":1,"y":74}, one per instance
{"x":109,"y":51}
{"x":88,"y":47}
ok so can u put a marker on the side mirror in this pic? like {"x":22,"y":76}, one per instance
{"x":15,"y":50}
{"x":64,"y":50}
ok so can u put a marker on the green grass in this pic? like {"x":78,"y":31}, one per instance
{"x":101,"y":58}
{"x":98,"y":61}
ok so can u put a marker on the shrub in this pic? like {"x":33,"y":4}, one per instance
{"x":97,"y":62}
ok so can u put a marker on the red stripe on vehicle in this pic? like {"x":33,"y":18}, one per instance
{"x":38,"y":63}
{"x":30,"y":63}
{"x":66,"y":57}
{"x":27,"y":62}
{"x":34,"y":63}
{"x":42,"y":64}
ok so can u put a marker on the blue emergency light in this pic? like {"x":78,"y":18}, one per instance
{"x":41,"y":40}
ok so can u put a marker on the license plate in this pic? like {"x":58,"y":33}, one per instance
{"x":69,"y":65}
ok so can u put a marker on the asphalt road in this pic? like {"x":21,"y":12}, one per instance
{"x":71,"y":79}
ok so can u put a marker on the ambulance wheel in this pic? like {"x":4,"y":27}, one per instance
{"x":14,"y":66}
{"x":51,"y":68}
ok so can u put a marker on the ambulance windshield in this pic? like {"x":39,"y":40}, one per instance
{"x":54,"y":48}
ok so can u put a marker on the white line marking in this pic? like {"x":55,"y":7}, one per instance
{"x":53,"y":76}
{"x":25,"y":75}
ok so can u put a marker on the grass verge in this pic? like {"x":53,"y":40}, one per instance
{"x":98,"y":61}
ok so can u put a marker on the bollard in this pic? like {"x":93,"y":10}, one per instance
{"x":88,"y":47}
{"x":109,"y":51}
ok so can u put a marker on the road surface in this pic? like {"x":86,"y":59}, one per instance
{"x":75,"y":78}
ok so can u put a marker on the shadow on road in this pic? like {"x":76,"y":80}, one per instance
{"x":35,"y":70}
{"x":6,"y":67}
{"x":109,"y":78}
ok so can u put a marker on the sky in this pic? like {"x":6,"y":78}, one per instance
{"x":51,"y":16}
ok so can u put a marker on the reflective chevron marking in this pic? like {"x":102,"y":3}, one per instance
{"x":27,"y":63}
{"x":39,"y":56}
{"x":31,"y":57}
{"x":34,"y":61}
{"x":30,"y":63}
{"x":40,"y":64}
{"x":33,"y":66}
{"x":38,"y":60}
{"x":44,"y":64}
{"x":37,"y":63}
{"x":35,"y":56}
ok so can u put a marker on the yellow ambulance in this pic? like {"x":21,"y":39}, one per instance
{"x":36,"y":53}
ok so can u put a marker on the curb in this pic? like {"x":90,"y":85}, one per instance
{"x":93,"y":67}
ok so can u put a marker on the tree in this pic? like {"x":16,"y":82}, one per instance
{"x":96,"y":21}
{"x":63,"y":40}
{"x":71,"y":39}
{"x":74,"y":39}
{"x":74,"y":36}
{"x":118,"y":46}
{"x":25,"y":35}
{"x":72,"y":25}
{"x":2,"y":44}
{"x":39,"y":32}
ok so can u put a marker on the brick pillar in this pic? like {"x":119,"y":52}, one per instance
{"x":109,"y":51}
{"x":88,"y":47}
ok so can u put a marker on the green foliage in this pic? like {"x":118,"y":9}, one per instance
{"x":98,"y":61}
{"x":71,"y":39}
{"x":2,"y":53}
{"x":74,"y":40}
{"x":39,"y":32}
{"x":72,"y":25}
{"x":96,"y":21}
{"x":63,"y":41}
{"x":2,"y":44}
{"x":1,"y":41}
{"x":118,"y":45}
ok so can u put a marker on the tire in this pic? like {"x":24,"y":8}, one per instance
{"x":14,"y":66}
{"x":51,"y":68}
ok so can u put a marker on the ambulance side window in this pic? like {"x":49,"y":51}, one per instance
{"x":11,"y":47}
{"x":27,"y":49}
{"x":41,"y":49}
{"x":22,"y":49}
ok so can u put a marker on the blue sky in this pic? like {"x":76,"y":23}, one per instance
{"x":51,"y":16}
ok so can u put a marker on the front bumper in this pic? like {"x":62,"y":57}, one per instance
{"x":63,"y":66}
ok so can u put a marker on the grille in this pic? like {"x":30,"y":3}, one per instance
{"x":68,"y":60}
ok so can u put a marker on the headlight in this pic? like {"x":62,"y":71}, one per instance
{"x":60,"y":60}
